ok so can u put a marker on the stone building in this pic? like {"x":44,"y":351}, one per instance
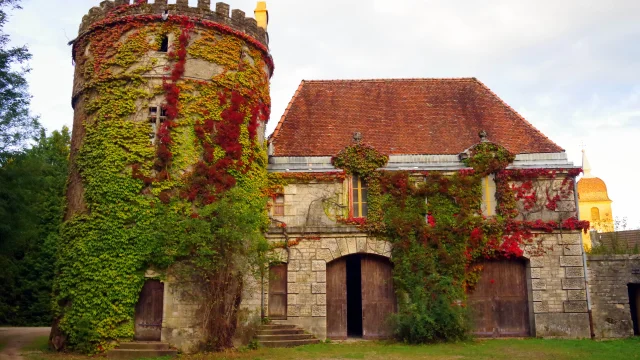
{"x":331,"y":278}
{"x":334,"y":271}
{"x":594,"y":201}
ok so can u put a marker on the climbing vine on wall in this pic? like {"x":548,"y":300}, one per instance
{"x":159,"y":205}
{"x":435,"y":223}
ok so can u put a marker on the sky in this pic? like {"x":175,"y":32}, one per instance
{"x":570,"y":67}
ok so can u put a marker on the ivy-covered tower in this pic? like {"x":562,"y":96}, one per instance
{"x":170,"y":107}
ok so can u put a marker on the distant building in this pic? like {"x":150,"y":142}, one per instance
{"x":594,"y":202}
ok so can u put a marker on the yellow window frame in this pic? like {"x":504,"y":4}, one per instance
{"x":357,"y":202}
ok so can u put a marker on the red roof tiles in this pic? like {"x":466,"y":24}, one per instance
{"x":403,"y":116}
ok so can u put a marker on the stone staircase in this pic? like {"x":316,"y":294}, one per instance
{"x":283,"y":335}
{"x":141,"y":349}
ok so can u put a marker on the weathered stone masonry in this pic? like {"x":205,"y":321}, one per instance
{"x":609,"y":276}
{"x":556,"y":282}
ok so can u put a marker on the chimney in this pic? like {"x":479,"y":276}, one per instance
{"x":262,"y":15}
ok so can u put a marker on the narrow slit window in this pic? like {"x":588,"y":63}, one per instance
{"x":278,"y":205}
{"x":359,"y":206}
{"x":164,"y":44}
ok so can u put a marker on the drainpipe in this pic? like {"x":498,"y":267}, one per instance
{"x":584,"y":264}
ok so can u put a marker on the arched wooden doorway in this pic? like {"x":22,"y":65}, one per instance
{"x":360,"y":297}
{"x":148,"y":317}
{"x":499,"y":302}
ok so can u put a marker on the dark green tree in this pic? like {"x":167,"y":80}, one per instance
{"x":17,"y":126}
{"x":31,"y":208}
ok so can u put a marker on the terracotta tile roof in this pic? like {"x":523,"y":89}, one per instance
{"x":401,"y":116}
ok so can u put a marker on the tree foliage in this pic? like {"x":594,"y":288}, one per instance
{"x":16,"y":123}
{"x":31,"y":208}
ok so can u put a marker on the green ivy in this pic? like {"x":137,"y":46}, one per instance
{"x":134,"y":222}
{"x":437,"y":231}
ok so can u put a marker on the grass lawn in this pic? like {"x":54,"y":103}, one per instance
{"x":41,"y":343}
{"x":529,"y":349}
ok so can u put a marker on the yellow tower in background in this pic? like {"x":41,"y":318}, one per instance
{"x":594,"y":202}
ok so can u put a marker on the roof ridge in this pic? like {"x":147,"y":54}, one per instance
{"x":286,"y":111}
{"x":504,"y":103}
{"x":389,"y":79}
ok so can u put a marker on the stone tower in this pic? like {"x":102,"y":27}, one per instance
{"x":170,"y":107}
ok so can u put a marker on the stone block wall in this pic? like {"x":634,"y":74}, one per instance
{"x":314,"y":204}
{"x":307,"y":274}
{"x":609,"y":277}
{"x":556,"y":276}
{"x":558,"y":287}
{"x":181,"y":324}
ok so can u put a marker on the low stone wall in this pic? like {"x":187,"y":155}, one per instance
{"x":609,"y":277}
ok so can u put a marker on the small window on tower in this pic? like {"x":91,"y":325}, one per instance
{"x":164,"y":45}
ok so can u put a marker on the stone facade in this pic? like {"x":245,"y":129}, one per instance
{"x":556,"y":277}
{"x":609,"y":277}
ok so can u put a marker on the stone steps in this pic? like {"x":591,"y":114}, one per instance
{"x":288,"y":343}
{"x":141,"y":349}
{"x":281,"y":332}
{"x":283,"y":335}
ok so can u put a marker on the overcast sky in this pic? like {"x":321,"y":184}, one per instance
{"x":572,"y":68}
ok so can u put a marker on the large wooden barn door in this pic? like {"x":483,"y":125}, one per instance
{"x":378,"y":297}
{"x":499,"y":301}
{"x":148,"y":316}
{"x":278,"y":292}
{"x":337,"y":299}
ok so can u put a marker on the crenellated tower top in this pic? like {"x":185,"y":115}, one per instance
{"x":114,"y":11}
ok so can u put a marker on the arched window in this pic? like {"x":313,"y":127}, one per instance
{"x":595,"y":214}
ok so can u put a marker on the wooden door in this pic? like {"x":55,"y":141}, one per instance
{"x":378,"y":297}
{"x":337,"y":299}
{"x":148,"y":315}
{"x":499,"y":302}
{"x":278,"y":292}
